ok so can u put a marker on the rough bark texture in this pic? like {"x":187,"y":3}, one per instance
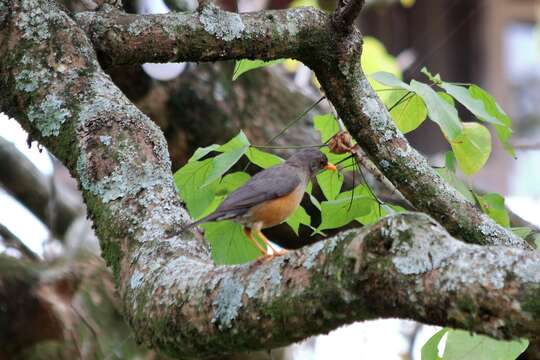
{"x":175,"y":298}
{"x":309,"y":36}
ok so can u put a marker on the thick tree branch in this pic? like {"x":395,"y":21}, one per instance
{"x":307,"y":35}
{"x":210,"y":35}
{"x":175,"y":298}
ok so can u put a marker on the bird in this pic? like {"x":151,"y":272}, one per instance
{"x":270,"y":196}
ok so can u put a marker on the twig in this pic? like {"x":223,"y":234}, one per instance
{"x":345,"y":14}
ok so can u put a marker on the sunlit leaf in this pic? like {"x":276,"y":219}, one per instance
{"x":375,"y":59}
{"x":444,"y":114}
{"x":407,"y":109}
{"x":245,"y":65}
{"x":202,"y":152}
{"x":493,"y":205}
{"x":330,"y":183}
{"x":430,"y":349}
{"x":229,"y":243}
{"x":326,"y":125}
{"x":300,"y":216}
{"x":462,"y":345}
{"x":340,"y":212}
{"x":230,"y":182}
{"x":475,"y":106}
{"x":232,"y":152}
{"x":262,"y":159}
{"x":390,"y":80}
{"x":188,"y":180}
{"x":504,"y":132}
{"x":472,"y":147}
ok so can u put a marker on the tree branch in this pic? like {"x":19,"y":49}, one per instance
{"x":346,"y":12}
{"x":175,"y":298}
{"x":307,"y":35}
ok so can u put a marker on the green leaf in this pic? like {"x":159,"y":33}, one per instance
{"x":300,"y":216}
{"x":504,"y":132}
{"x":340,"y":212}
{"x":522,"y":231}
{"x":202,"y":152}
{"x":444,"y":114}
{"x":262,"y":159}
{"x":237,"y":142}
{"x":391,"y":80}
{"x":493,"y":205}
{"x":475,"y":106}
{"x":409,"y":113}
{"x":330,"y":183}
{"x":430,"y":349}
{"x":326,"y":125}
{"x":461,"y":345}
{"x":436,"y":79}
{"x":188,"y":180}
{"x":229,"y":243}
{"x":230,"y":182}
{"x":472,"y":147}
{"x":232,"y":152}
{"x":376,"y":211}
{"x":245,"y":65}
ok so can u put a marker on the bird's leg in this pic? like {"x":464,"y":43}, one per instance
{"x":267,"y":242}
{"x":247,"y":231}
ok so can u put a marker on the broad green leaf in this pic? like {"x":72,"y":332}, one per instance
{"x":504,"y":132}
{"x":202,"y":152}
{"x":230,"y":182}
{"x":245,"y":65}
{"x":408,"y":112}
{"x":300,"y":216}
{"x":232,"y":152}
{"x":493,"y":205}
{"x":188,"y":180}
{"x":450,"y":177}
{"x":229,"y":243}
{"x":262,"y":159}
{"x":330,"y":183}
{"x":461,"y":345}
{"x":375,"y":59}
{"x":472,"y":147}
{"x":224,"y":162}
{"x":391,"y":80}
{"x":475,"y":106}
{"x":340,"y":212}
{"x":439,"y":110}
{"x":375,"y":210}
{"x":522,"y":232}
{"x":326,"y":125}
{"x":430,"y":350}
{"x":237,"y":142}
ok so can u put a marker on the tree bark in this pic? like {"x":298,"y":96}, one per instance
{"x":174,"y":297}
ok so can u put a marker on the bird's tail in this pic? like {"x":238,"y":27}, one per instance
{"x":207,"y":218}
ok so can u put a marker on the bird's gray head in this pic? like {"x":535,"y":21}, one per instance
{"x":310,"y":160}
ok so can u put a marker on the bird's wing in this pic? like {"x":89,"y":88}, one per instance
{"x":266,"y":185}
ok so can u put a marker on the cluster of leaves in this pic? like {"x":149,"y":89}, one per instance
{"x":411,"y":104}
{"x":464,"y":345}
{"x":204,"y":182}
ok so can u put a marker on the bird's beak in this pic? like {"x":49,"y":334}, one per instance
{"x":330,"y":166}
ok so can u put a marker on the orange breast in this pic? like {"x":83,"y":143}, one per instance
{"x":274,"y":212}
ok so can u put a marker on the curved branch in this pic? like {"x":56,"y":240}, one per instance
{"x":209,"y":35}
{"x":174,"y":297}
{"x":307,"y":35}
